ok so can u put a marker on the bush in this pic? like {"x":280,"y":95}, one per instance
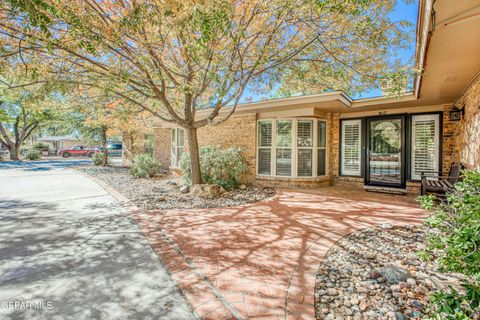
{"x":144,"y":165}
{"x":454,"y":242}
{"x":222,"y":167}
{"x":97,"y":159}
{"x":32,"y":155}
{"x":41,"y":146}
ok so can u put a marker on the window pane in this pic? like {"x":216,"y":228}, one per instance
{"x":284,"y":133}
{"x":284,"y":162}
{"x":351,"y":161}
{"x":264,"y":161}
{"x":174,"y":137}
{"x":179,"y":156}
{"x":265,"y":134}
{"x":321,"y":163}
{"x":304,"y":162}
{"x":305,"y":133}
{"x":425,"y":145}
{"x":322,"y":134}
{"x":181,"y":137}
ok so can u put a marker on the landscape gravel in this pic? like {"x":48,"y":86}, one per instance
{"x":163,"y":191}
{"x":376,"y":274}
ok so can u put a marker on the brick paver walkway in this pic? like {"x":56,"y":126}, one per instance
{"x":260,"y":260}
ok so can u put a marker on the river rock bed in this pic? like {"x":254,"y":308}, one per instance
{"x":163,"y":191}
{"x":376,"y":274}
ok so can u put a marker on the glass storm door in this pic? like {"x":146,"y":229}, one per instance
{"x":385,"y":159}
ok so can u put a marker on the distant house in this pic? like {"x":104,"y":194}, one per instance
{"x":61,"y":142}
{"x":384,"y":142}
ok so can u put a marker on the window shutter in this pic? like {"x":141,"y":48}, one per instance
{"x":284,"y":162}
{"x":304,"y":162}
{"x":425,"y":144}
{"x":265,"y":134}
{"x":321,"y":162}
{"x":264,"y":161}
{"x":351,"y":147}
{"x":305,"y":133}
{"x":322,"y":134}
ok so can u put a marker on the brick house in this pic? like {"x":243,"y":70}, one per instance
{"x":384,"y":142}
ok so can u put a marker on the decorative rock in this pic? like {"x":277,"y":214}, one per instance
{"x":400,"y":316}
{"x":394,"y":274}
{"x":332,"y":292}
{"x":369,"y":255}
{"x":374,"y":274}
{"x":242,"y":187}
{"x":363,"y":305}
{"x":416,"y":304}
{"x":386,"y":226}
{"x":184,"y":189}
{"x":411,"y":282}
{"x":207,"y":191}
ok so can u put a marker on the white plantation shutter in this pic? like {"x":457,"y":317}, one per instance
{"x":283,"y":141}
{"x":351,"y":147}
{"x":425,"y":144}
{"x":304,"y":162}
{"x":284,"y":162}
{"x":305,"y":134}
{"x":322,"y":148}
{"x":265,"y":134}
{"x":305,"y":146}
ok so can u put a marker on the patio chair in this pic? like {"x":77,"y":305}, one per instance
{"x":441,"y":184}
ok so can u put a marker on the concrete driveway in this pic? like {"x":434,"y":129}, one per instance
{"x":69,"y":250}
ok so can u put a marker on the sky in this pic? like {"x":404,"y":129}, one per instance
{"x":403,"y":11}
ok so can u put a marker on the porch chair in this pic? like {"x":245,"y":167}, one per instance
{"x":443,"y":183}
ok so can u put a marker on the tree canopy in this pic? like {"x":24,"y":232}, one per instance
{"x":173,"y":58}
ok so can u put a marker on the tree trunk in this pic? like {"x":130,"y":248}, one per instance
{"x":104,"y":145}
{"x":196,"y":176}
{"x":14,"y":151}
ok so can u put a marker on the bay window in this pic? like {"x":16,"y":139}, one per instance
{"x":291,"y":148}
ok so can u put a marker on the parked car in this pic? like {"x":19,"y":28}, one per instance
{"x":77,"y":151}
{"x":113,"y":149}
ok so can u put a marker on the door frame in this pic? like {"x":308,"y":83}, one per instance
{"x":403,"y":151}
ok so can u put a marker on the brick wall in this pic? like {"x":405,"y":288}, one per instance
{"x":162,"y":138}
{"x":133,"y":143}
{"x":465,"y":139}
{"x":238,"y":131}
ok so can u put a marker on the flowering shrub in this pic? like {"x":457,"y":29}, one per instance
{"x":222,"y":167}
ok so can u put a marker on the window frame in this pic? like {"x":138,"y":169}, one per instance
{"x":439,"y":143}
{"x":361,"y":151}
{"x":294,"y":148}
{"x":175,"y":147}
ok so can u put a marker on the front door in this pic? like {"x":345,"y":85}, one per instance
{"x":385,"y":151}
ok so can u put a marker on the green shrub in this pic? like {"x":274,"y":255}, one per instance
{"x":39,"y":145}
{"x":454,"y":242}
{"x":144,"y":165}
{"x":97,"y":159}
{"x":32,"y":155}
{"x":222,"y":167}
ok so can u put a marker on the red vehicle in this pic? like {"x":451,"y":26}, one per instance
{"x":77,"y":151}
